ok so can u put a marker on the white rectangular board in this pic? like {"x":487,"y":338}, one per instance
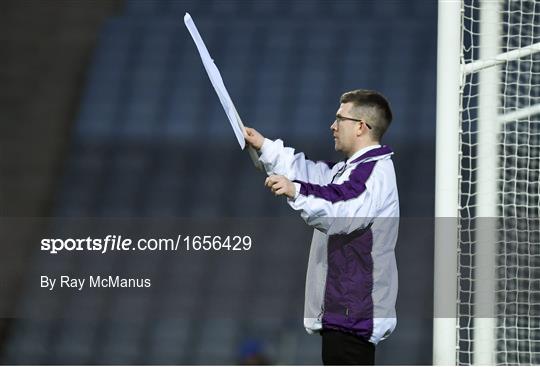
{"x":219,"y":87}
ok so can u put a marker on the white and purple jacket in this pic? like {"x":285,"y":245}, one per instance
{"x":351,"y":282}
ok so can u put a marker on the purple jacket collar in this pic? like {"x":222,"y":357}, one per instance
{"x":376,"y":152}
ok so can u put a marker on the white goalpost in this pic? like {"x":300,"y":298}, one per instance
{"x":487,"y":232}
{"x":446,"y":203}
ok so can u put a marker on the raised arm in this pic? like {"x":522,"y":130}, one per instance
{"x":280,"y":160}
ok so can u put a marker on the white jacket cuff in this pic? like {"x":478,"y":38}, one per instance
{"x":266,"y":147}
{"x":297,"y":187}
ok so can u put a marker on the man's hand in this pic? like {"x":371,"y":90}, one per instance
{"x":280,"y":185}
{"x":254,"y":138}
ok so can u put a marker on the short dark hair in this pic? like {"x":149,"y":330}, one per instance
{"x":373,"y":104}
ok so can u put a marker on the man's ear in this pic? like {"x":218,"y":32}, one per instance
{"x":359,"y":129}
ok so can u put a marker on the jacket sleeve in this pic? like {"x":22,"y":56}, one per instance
{"x":340,"y":208}
{"x":280,"y":160}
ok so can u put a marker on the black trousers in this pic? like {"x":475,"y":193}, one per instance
{"x":340,"y":348}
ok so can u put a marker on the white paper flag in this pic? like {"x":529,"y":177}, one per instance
{"x":217,"y":83}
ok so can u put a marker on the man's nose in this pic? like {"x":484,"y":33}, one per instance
{"x":333,"y":126}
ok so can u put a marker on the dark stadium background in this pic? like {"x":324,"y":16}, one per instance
{"x":106,"y":111}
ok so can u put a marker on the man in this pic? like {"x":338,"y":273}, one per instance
{"x":351,"y":284}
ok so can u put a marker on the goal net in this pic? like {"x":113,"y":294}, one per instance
{"x":498,"y":252}
{"x":500,"y":108}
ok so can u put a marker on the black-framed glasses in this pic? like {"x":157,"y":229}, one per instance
{"x":340,"y":118}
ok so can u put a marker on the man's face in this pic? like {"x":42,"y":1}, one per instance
{"x":345,"y":131}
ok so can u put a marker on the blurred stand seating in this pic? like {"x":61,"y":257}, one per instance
{"x":150,"y":139}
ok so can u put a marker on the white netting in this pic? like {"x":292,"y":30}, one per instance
{"x":517,"y":258}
